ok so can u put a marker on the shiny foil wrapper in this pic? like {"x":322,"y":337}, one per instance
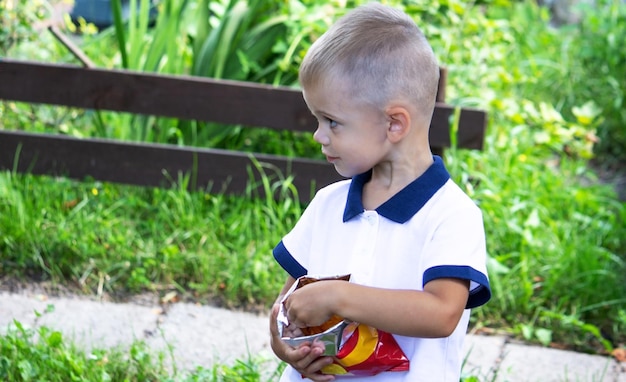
{"x":329,"y":333}
{"x":356,"y":349}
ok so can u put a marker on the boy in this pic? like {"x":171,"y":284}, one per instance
{"x":411,"y":240}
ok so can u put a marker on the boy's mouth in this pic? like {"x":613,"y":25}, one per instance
{"x":329,"y":158}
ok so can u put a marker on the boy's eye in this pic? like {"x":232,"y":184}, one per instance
{"x":332,"y":123}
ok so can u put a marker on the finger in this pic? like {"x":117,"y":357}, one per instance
{"x":290,"y":311}
{"x":273,"y":322}
{"x":320,"y":377}
{"x":296,"y":331}
{"x":295,"y":320}
{"x":296,"y":355}
{"x":313,"y":371}
{"x":291,"y":315}
{"x":311,"y":360}
{"x":292,"y":331}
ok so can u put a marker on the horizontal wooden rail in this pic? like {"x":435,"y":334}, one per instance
{"x":153,"y":164}
{"x":183,"y":97}
{"x":193,"y":98}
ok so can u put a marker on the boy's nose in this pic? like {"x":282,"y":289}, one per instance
{"x":320,"y":137}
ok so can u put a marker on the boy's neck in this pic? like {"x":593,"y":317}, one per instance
{"x":389,"y":178}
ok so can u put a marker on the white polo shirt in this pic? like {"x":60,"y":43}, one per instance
{"x":428,"y":230}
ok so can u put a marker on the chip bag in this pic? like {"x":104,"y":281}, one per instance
{"x":357,"y":349}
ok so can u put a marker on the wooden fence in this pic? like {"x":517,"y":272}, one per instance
{"x":183,"y":97}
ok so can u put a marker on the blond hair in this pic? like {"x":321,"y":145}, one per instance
{"x":381,"y":53}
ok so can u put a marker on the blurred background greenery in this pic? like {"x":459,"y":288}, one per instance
{"x":546,"y":180}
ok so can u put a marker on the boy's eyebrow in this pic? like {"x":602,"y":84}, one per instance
{"x":323,"y":113}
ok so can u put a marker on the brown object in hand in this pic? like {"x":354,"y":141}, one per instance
{"x":333,"y":320}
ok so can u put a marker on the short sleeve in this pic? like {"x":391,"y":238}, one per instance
{"x":458,"y":250}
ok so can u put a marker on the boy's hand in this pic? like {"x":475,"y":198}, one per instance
{"x":306,"y":359}
{"x":311,"y":305}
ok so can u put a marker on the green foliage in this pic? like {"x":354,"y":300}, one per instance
{"x":573,"y":65}
{"x":239,"y":39}
{"x":230,"y":39}
{"x":556,"y":235}
{"x":115,"y":238}
{"x":17,"y":22}
{"x":248,"y":370}
{"x":551,"y":240}
{"x":598,"y":47}
{"x":44,"y":354}
{"x":587,"y":333}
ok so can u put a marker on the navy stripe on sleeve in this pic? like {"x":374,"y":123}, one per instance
{"x":478,"y":296}
{"x":291,"y":265}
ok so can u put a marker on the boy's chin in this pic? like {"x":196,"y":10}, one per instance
{"x":346,"y":173}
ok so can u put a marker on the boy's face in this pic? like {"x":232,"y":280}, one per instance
{"x":353,"y":134}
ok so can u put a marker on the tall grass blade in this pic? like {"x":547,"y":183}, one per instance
{"x":120,"y":34}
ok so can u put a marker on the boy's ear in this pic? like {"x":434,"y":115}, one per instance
{"x":399,"y":121}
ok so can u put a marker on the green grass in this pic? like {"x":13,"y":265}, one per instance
{"x":43,"y":354}
{"x":103,"y":237}
{"x":555,"y":241}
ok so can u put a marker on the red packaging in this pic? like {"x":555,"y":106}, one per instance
{"x":367,"y":351}
{"x":362,"y":349}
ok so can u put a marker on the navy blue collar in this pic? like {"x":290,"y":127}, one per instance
{"x":403,"y":205}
